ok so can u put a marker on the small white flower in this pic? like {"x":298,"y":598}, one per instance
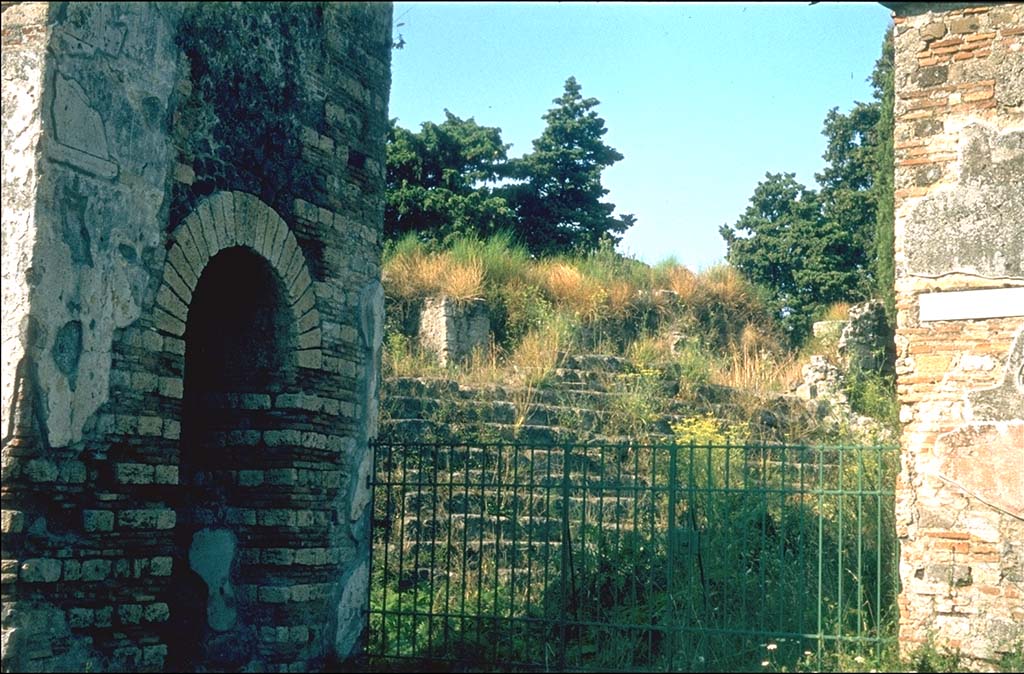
{"x":772,"y":647}
{"x":764,"y":663}
{"x":859,"y":659}
{"x":808,"y":653}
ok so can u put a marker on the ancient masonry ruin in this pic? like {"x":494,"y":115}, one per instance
{"x":959,"y":151}
{"x":192,"y":210}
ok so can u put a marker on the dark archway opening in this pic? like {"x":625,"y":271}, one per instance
{"x":239,"y":346}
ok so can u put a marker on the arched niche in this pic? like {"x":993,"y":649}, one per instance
{"x":239,"y":355}
{"x":237,"y":291}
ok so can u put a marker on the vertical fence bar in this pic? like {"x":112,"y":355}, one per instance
{"x":670,"y":552}
{"x":821,"y":549}
{"x":449,"y":550}
{"x":860,"y":542}
{"x":373,"y":557}
{"x":841,"y":495}
{"x":401,"y":546}
{"x":480,"y":543}
{"x":513,"y":547}
{"x":499,"y":510}
{"x":878,"y":555}
{"x":567,"y":570}
{"x":413,"y":574}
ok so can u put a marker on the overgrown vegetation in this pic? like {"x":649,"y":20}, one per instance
{"x":691,"y":337}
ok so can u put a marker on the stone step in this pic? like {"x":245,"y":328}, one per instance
{"x":595,"y":362}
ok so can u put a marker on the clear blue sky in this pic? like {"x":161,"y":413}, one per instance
{"x":701,"y":99}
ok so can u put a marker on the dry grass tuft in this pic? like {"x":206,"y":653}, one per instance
{"x":416,"y":273}
{"x":840,"y":311}
{"x":682,"y":282}
{"x":569,"y":288}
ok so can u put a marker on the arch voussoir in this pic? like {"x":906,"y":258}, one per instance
{"x":226,"y":220}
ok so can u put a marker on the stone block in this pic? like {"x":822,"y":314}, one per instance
{"x":165,"y":474}
{"x":12,"y":521}
{"x":298,"y":634}
{"x":171,"y":387}
{"x":155,"y":518}
{"x":153,"y":657}
{"x":95,"y":569}
{"x":250,"y":478}
{"x":281,"y":476}
{"x":310,"y":556}
{"x":103,"y":616}
{"x":311,"y":359}
{"x":160,"y":566}
{"x":149,"y":425}
{"x":300,"y":593}
{"x":157,"y":612}
{"x":206,"y":228}
{"x":72,"y":472}
{"x":41,"y":470}
{"x":72,"y":570}
{"x":277,"y":556}
{"x":133,"y":473}
{"x":41,"y":570}
{"x":80,"y":617}
{"x":172,"y":429}
{"x":272,"y":594}
{"x":129,"y":614}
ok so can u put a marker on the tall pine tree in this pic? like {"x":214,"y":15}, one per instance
{"x":558,"y":199}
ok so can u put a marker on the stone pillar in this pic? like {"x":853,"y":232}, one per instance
{"x":959,"y":239}
{"x":452,"y":330}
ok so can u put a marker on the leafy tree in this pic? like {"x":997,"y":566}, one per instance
{"x":439,"y":180}
{"x":882,"y":81}
{"x":810,"y":248}
{"x":783,"y":243}
{"x":558,"y":199}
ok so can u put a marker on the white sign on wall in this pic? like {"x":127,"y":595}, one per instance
{"x":963,"y":305}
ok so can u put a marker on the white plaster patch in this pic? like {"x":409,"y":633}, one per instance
{"x":210,"y":556}
{"x":350,"y":611}
{"x":361,"y":489}
{"x":971,"y":304}
{"x":974,"y":362}
{"x":75,"y":122}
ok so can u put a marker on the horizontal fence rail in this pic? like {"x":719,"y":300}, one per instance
{"x":671,"y":557}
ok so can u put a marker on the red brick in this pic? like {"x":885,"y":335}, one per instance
{"x":952,"y":535}
{"x":982,"y":95}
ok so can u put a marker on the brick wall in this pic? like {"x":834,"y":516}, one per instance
{"x":959,"y":152}
{"x":164,"y":507}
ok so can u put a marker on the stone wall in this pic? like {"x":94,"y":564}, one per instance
{"x":192,"y":209}
{"x":959,"y":140}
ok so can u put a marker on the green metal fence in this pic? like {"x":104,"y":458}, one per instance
{"x":668,"y":557}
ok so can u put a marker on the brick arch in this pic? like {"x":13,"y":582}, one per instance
{"x":226,"y":220}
